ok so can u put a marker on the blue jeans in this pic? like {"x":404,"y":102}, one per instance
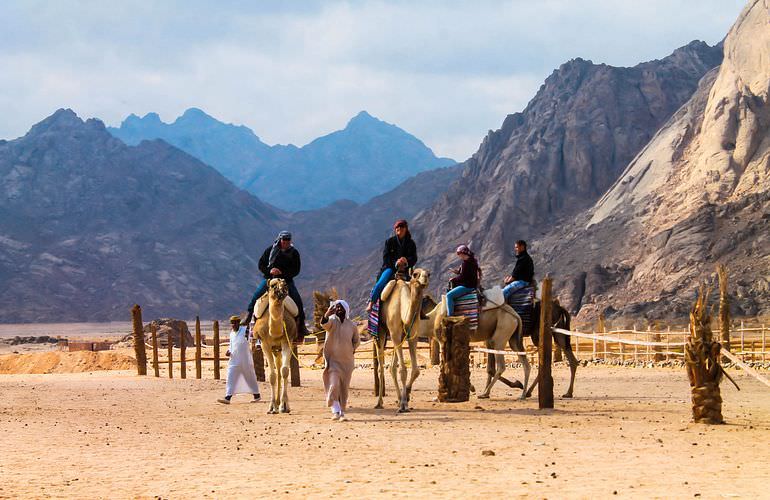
{"x":386,"y":275}
{"x":512,"y":287}
{"x":453,"y":294}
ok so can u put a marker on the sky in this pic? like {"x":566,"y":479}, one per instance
{"x":445,"y":71}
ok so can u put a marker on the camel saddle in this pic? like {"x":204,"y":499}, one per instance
{"x":388,"y":289}
{"x":494,"y":298}
{"x":288,"y":305}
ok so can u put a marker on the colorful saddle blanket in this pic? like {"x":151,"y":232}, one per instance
{"x":523,"y":302}
{"x":468,"y":306}
{"x":374,"y":320}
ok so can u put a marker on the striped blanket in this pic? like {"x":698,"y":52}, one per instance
{"x":468,"y":306}
{"x":522,"y":301}
{"x":374,"y":320}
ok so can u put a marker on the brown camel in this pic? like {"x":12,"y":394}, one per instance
{"x":400,"y":316}
{"x":277,"y":330}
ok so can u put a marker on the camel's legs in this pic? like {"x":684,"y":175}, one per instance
{"x":403,"y":405}
{"x":394,"y":367}
{"x":285,"y":368}
{"x":499,"y":369}
{"x":268,"y":348}
{"x":380,"y":343}
{"x":566,"y":347}
{"x":415,"y":368}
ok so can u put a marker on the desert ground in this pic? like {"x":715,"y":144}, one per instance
{"x":627,"y":432}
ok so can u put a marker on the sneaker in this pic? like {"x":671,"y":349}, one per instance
{"x":336,"y":416}
{"x":257,"y":398}
{"x":223,"y":401}
{"x":342,"y":418}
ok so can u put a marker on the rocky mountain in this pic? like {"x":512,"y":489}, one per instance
{"x":697,"y":194}
{"x":548,"y":162}
{"x":367,"y":158}
{"x":89,"y":225}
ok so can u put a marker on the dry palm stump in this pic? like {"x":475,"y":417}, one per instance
{"x":454,"y":380}
{"x":703,"y":368}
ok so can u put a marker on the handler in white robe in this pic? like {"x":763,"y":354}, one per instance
{"x":241,"y":378}
{"x":339,"y":348}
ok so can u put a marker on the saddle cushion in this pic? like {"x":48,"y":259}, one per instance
{"x":494,"y":298}
{"x":288,"y":304}
{"x":374,"y":320}
{"x":468,"y":306}
{"x":523,"y":302}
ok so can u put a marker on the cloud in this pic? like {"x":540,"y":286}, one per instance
{"x":444,"y":71}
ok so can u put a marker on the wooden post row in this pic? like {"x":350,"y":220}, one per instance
{"x":155,"y":366}
{"x":182,"y":355}
{"x":198,"y":367}
{"x":141,"y":355}
{"x":170,"y":341}
{"x":216,"y":350}
{"x":545,"y":380}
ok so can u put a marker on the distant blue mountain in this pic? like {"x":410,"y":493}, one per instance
{"x":365,"y":159}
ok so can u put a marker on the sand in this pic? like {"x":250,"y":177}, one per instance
{"x":113,"y":434}
{"x":65,"y":362}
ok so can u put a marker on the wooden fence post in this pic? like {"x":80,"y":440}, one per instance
{"x":198,"y":368}
{"x":743,"y":341}
{"x":258,"y":356}
{"x":155,"y":367}
{"x":764,"y":341}
{"x":544,"y":378}
{"x":216,"y":350}
{"x":182,"y":355}
{"x":170,"y":355}
{"x":724,"y":309}
{"x":294,"y":365}
{"x":141,"y":354}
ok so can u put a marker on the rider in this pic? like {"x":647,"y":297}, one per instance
{"x":280,"y":260}
{"x":399,"y":253}
{"x":467,"y":279}
{"x":523,"y":271}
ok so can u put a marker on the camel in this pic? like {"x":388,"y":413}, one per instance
{"x":277,"y":329}
{"x":497,"y":327}
{"x":399,"y":316}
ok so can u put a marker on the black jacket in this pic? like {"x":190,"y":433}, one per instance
{"x":288,"y":262}
{"x":524,"y":269}
{"x":395,"y":249}
{"x":468,"y":275}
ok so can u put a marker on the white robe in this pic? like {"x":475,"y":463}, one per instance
{"x":241,"y":378}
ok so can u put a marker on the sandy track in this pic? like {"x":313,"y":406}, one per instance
{"x":112,"y":434}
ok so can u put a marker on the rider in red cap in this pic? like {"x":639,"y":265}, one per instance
{"x":400,"y":253}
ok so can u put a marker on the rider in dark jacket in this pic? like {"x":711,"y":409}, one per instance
{"x":280,"y":260}
{"x":400,"y":253}
{"x":523,"y":271}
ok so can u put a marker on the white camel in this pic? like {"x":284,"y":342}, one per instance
{"x":498,"y":325}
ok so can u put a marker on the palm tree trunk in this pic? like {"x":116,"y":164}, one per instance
{"x":702,"y":362}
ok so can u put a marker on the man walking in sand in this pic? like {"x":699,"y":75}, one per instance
{"x":339,"y":349}
{"x":241,"y":378}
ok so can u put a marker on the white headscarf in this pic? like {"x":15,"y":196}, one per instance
{"x":344,"y":306}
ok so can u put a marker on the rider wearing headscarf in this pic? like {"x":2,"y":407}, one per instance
{"x":280,"y":260}
{"x":467,"y":279}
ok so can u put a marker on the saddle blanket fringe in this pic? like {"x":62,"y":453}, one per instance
{"x":374,"y":319}
{"x":468,"y":306}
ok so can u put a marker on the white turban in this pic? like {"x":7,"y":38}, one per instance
{"x":344,"y":306}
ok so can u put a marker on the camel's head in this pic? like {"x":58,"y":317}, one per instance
{"x":277,"y":289}
{"x":428,"y":304}
{"x":420,"y":278}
